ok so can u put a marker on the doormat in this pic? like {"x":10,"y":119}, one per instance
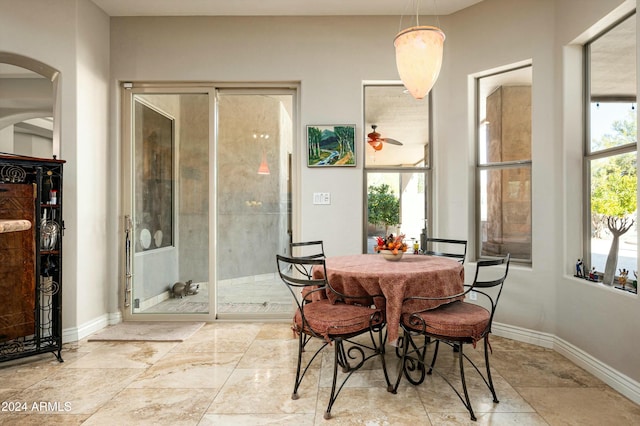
{"x":149,"y":331}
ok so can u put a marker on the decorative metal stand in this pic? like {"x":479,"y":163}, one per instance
{"x":30,"y":256}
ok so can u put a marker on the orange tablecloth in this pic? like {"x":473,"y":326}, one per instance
{"x":413,"y":275}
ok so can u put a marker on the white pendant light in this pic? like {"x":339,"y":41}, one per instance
{"x":419,"y":57}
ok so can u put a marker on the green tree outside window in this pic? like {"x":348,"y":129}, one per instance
{"x":383,"y":207}
{"x":614,"y":183}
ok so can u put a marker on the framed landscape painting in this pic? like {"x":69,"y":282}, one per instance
{"x":331,"y":145}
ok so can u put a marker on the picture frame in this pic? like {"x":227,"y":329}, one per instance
{"x":331,"y":145}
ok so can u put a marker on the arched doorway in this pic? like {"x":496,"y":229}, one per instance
{"x":29,"y":106}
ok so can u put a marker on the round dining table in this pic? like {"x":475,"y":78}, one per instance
{"x":413,"y":275}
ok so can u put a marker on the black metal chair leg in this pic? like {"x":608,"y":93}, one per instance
{"x":380,"y":349}
{"x":337,"y":354}
{"x":435,"y":355}
{"x":464,"y":385}
{"x":417,"y":362}
{"x":301,"y":344}
{"x":399,"y":345}
{"x":403,"y":358}
{"x":486,"y":363}
{"x":342,"y":358}
{"x":383,"y":339}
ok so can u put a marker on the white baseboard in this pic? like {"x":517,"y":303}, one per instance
{"x":620,"y":382}
{"x":537,"y":338}
{"x":88,"y":328}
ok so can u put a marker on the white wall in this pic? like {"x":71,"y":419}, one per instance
{"x":589,"y":321}
{"x":331,"y":56}
{"x":495,"y":34}
{"x":6,"y":139}
{"x":597,"y":319}
{"x":72,"y":36}
{"x":97,"y":214}
{"x":31,"y":145}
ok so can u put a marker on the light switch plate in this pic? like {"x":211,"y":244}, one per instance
{"x":321,"y":198}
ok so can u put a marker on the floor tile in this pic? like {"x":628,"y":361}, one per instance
{"x":258,"y":419}
{"x":199,"y":370}
{"x":582,"y":406}
{"x":372,"y":406}
{"x":122,"y":354}
{"x":541,"y":368}
{"x":242,"y":373}
{"x":493,"y":419}
{"x":42,"y":419}
{"x":221,"y":337}
{"x":266,"y":391}
{"x":83,"y":389}
{"x":153,"y":407}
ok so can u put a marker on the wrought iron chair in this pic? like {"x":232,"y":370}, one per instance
{"x":335,"y":323}
{"x":456,"y":249}
{"x":455,"y":323}
{"x":308,"y":250}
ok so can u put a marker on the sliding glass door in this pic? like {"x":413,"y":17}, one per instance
{"x":207,"y":201}
{"x":254,"y":148}
{"x":167,"y":220}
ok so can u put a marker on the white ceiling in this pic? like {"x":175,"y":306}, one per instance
{"x":279,"y":7}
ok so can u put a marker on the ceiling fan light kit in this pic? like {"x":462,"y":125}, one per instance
{"x":377,"y":145}
{"x":375,"y":140}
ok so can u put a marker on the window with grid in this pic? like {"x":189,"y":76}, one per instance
{"x":610,"y":161}
{"x":504,"y":163}
{"x":397,"y":164}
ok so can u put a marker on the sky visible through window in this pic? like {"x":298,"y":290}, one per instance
{"x":604,"y":114}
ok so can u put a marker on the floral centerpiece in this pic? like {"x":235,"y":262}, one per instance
{"x":391,"y":245}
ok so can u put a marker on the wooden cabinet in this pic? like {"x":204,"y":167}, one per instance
{"x":31,"y":229}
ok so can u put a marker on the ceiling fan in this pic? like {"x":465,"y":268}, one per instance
{"x":375,"y":139}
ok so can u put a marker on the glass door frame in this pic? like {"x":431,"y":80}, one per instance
{"x":125,"y":293}
{"x":127,"y":92}
{"x":294,"y":170}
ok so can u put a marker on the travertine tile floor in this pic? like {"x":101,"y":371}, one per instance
{"x":242,"y":374}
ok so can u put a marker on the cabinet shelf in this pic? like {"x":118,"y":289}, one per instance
{"x":31,"y":252}
{"x":49,"y":252}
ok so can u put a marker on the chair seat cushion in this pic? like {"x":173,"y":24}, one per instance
{"x":457,"y":320}
{"x":334,"y":320}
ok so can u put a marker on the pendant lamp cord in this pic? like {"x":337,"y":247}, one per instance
{"x":435,"y":11}
{"x":417,"y":5}
{"x":404,"y":12}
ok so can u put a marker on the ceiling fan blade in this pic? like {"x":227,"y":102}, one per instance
{"x":391,"y":141}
